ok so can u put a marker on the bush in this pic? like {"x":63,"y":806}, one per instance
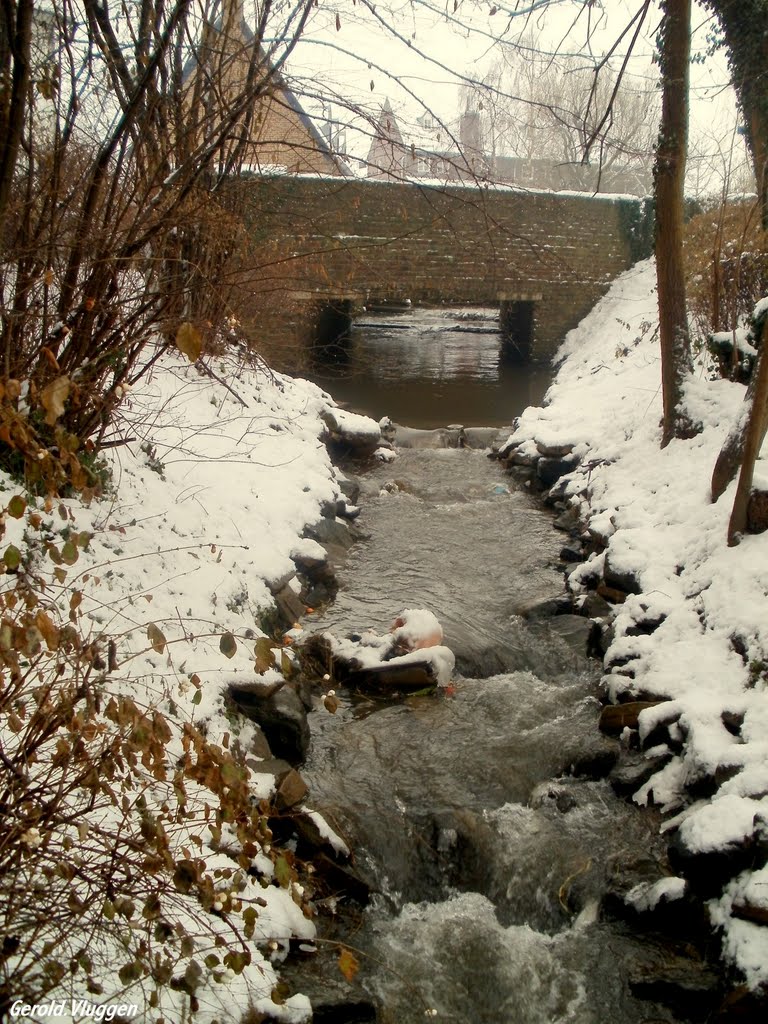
{"x":127,"y":857}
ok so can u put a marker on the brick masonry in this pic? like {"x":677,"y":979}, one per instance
{"x":324,"y":238}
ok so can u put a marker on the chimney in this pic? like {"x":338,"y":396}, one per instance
{"x":469,"y":136}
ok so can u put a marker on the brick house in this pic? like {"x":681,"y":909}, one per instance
{"x":274,"y":133}
{"x":395,"y":155}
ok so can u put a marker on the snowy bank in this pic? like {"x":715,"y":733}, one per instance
{"x":180,"y":565}
{"x":689,"y":619}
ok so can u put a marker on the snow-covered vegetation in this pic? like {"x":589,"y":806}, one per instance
{"x":695,"y":634}
{"x":137,"y":863}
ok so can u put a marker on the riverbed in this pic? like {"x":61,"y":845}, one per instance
{"x":477,"y":814}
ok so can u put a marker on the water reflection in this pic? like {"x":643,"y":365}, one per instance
{"x":428,"y":368}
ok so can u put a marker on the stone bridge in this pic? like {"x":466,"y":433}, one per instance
{"x":326,"y":247}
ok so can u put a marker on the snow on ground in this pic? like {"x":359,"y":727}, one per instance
{"x":210,"y":501}
{"x":710,"y":654}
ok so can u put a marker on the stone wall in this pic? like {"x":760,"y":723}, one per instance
{"x":322,"y":239}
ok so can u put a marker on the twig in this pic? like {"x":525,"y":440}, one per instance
{"x":200,"y":365}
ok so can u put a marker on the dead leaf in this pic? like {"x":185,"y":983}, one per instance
{"x":156,"y":637}
{"x":330,"y":703}
{"x":265,"y":655}
{"x":348,"y":965}
{"x":53,"y":397}
{"x":189,"y":341}
{"x":228,"y":645}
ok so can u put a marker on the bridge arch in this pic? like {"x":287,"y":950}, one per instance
{"x":544,"y":258}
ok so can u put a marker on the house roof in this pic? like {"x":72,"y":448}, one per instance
{"x":290,"y":97}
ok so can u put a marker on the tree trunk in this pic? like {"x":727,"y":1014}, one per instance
{"x":732,"y":452}
{"x":669,"y":181}
{"x":743,"y":23}
{"x":14,"y":92}
{"x":753,"y":436}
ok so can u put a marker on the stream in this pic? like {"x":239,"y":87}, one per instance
{"x":487,"y":855}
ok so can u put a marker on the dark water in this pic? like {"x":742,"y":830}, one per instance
{"x":487,"y":856}
{"x":419,"y":369}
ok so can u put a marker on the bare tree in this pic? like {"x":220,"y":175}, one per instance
{"x":566,"y":108}
{"x":117,"y":128}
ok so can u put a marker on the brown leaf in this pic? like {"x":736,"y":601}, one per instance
{"x":53,"y":397}
{"x":16,"y":506}
{"x":189,"y":341}
{"x":265,"y":655}
{"x":48,"y":630}
{"x":156,"y":637}
{"x":286,"y":665}
{"x":348,"y":965}
{"x":228,"y":645}
{"x":12,"y":558}
{"x":49,"y":355}
{"x":330,"y":703}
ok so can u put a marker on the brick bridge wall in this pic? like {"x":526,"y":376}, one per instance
{"x":322,"y":239}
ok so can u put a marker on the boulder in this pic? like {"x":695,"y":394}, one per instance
{"x":733,"y":721}
{"x":742,"y":1006}
{"x":594,"y":606}
{"x":415,"y":629}
{"x":311,"y":838}
{"x":350,"y":431}
{"x":568,"y":521}
{"x":634,"y":771}
{"x":317,"y":568}
{"x":573,"y":629}
{"x":274,"y":766}
{"x":281,"y":716}
{"x":665,"y":728}
{"x":557,"y":494}
{"x":757,"y":913}
{"x":331,"y":531}
{"x":611,"y":594}
{"x":259,"y":746}
{"x":522,"y":459}
{"x":289,"y":605}
{"x":358,"y":1011}
{"x":349,"y":487}
{"x":596,"y":763}
{"x":341,"y":879}
{"x":483,"y":437}
{"x":690,"y":988}
{"x":615,"y":718}
{"x":441,"y":437}
{"x":291,"y":790}
{"x":618,"y":577}
{"x":546,"y":607}
{"x":555,"y":451}
{"x":709,"y":868}
{"x":388,"y":676}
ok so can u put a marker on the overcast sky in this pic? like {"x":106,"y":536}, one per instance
{"x":416,"y":53}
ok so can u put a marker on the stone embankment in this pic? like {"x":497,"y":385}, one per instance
{"x":651,"y":732}
{"x":279,"y":709}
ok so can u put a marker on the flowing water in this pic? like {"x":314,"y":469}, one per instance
{"x":487,"y":856}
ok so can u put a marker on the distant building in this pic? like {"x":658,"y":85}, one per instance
{"x":421,"y":152}
{"x":275,"y":132}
